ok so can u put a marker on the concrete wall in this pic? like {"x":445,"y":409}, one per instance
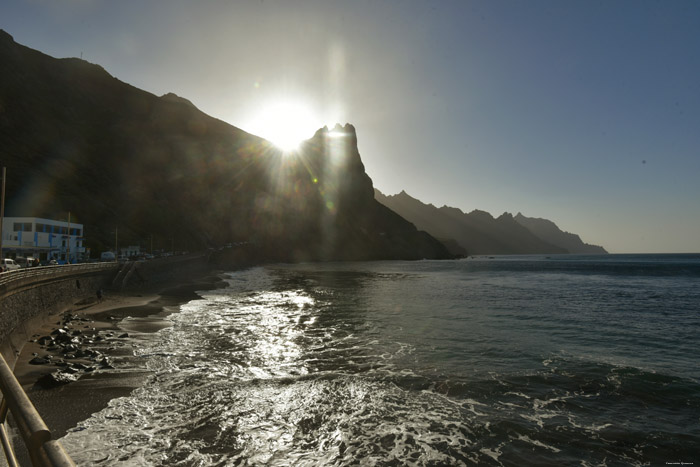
{"x":36,"y":293}
{"x":27,"y":301}
{"x":150,"y":274}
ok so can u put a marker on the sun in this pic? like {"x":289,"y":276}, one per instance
{"x":286,"y":123}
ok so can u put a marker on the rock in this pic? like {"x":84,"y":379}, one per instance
{"x":126,"y":334}
{"x":38,"y":361}
{"x":104,"y":364}
{"x":62,"y":335}
{"x":56,"y":379}
{"x":44,"y":340}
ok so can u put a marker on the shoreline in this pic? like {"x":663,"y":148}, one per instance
{"x":104,"y":357}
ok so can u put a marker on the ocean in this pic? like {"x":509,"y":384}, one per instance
{"x":506,"y":360}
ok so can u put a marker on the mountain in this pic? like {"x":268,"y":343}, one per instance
{"x":74,"y":138}
{"x":549,"y":232}
{"x":480,"y":233}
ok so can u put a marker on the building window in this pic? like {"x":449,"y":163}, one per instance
{"x":22,"y":226}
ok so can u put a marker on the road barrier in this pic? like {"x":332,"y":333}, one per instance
{"x":13,"y":281}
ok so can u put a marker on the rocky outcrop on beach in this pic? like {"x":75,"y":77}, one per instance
{"x":69,"y":348}
{"x":478,"y":232}
{"x":76,"y":138}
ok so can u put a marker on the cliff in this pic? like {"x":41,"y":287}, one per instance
{"x":478,"y":232}
{"x":77,"y":139}
{"x":548,"y":231}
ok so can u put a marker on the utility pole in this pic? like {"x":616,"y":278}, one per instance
{"x":2,"y":209}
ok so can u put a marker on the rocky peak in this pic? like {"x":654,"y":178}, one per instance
{"x":172,"y":97}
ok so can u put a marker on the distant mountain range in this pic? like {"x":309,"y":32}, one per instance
{"x":74,"y":138}
{"x":479,"y":233}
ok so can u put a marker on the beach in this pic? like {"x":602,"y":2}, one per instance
{"x":104,"y":338}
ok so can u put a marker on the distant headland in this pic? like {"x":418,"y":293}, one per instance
{"x":479,"y":233}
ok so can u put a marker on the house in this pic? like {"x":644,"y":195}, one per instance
{"x":43,"y":239}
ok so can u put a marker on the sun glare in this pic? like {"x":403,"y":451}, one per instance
{"x":285,"y":123}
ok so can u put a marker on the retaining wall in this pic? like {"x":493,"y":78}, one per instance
{"x":31,"y":295}
{"x":28,"y":296}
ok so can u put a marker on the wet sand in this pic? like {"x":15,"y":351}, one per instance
{"x":102,"y":327}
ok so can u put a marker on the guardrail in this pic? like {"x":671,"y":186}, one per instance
{"x":24,"y":273}
{"x":12,"y":281}
{"x":42,"y":449}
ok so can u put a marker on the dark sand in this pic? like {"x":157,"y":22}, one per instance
{"x":64,"y":406}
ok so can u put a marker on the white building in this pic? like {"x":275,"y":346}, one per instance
{"x":130,"y":251}
{"x":44,"y":239}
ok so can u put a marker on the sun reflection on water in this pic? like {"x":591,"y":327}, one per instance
{"x":278,"y":327}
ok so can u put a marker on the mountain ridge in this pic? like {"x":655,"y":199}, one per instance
{"x":78,"y":139}
{"x":550,"y":232}
{"x":478,"y":232}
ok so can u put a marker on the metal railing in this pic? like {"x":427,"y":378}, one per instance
{"x":65,"y":269}
{"x":42,"y":449}
{"x":14,"y":281}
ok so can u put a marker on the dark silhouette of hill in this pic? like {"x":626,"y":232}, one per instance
{"x":549,"y":232}
{"x":74,"y":138}
{"x":480,"y":233}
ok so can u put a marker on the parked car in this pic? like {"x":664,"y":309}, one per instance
{"x":8,"y":265}
{"x":27,"y":262}
{"x":107,"y":256}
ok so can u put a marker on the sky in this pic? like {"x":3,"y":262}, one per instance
{"x":586,"y":113}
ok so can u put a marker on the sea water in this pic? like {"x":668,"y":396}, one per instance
{"x":523,"y":360}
